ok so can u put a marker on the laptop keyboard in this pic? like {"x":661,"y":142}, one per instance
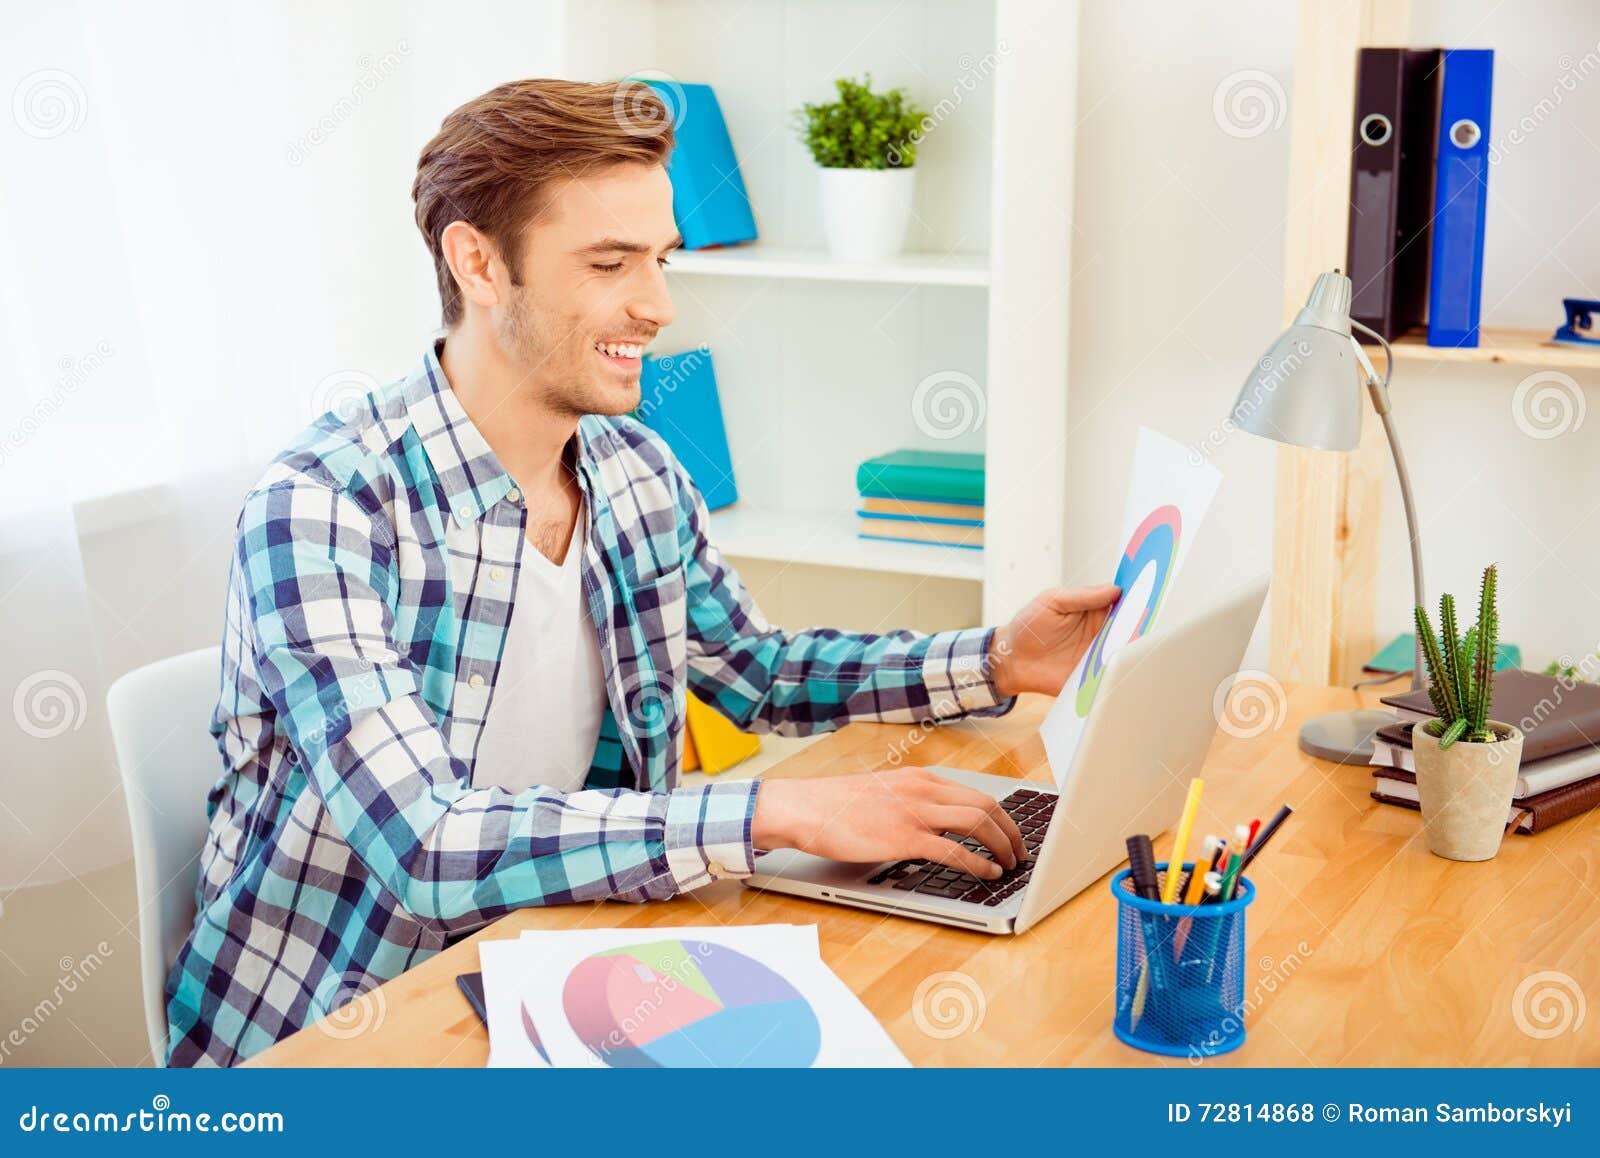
{"x":1031,"y":810}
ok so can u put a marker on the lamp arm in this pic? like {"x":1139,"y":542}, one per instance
{"x":1379,"y":391}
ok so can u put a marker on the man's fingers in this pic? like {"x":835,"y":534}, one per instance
{"x":974,"y":822}
{"x":1101,"y":595}
{"x":948,"y":852}
{"x":959,"y":795}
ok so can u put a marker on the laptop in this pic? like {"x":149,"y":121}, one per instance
{"x":1146,"y":737}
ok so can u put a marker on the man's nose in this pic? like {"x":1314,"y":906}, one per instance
{"x":653,"y":303}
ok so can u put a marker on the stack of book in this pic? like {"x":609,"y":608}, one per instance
{"x":1560,"y":773}
{"x":922,"y":496}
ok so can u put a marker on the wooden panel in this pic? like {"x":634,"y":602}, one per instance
{"x":1328,"y":508}
{"x":1363,"y":949}
{"x":1501,"y":347}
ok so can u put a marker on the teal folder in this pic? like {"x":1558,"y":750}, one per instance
{"x":678,"y":400}
{"x":1400,"y":652}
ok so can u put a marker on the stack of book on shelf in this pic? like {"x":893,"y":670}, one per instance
{"x":922,"y":496}
{"x":1560,"y":773}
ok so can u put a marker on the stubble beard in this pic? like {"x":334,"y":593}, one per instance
{"x":572,"y":389}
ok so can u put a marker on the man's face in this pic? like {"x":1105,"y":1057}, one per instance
{"x":592,"y":294}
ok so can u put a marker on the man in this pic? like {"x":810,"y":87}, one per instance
{"x":461,"y":625}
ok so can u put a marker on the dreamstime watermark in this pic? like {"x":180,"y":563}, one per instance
{"x":948,"y":1005}
{"x":349,"y":1011}
{"x":1248,"y":103}
{"x":49,"y":703}
{"x":343,"y":394}
{"x":1548,"y":1004}
{"x":947,"y":709}
{"x":75,"y":371}
{"x":373,"y":72}
{"x":1566,"y":83}
{"x":947,"y":404}
{"x":1547,"y":404}
{"x":671,"y":372}
{"x":1250,"y":703}
{"x":74,"y":972}
{"x":973,"y":72}
{"x":49,"y":103}
{"x":358,"y":693}
{"x":1271,"y":373}
{"x":1274,"y":974}
{"x":649,"y":103}
{"x":646,"y":699}
{"x":1570,"y":676}
{"x":669,"y":972}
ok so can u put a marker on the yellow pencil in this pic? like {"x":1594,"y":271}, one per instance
{"x":1169,"y":885}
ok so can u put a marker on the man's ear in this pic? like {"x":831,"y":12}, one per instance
{"x":474,"y":262}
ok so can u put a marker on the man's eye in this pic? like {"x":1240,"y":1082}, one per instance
{"x":663,"y":262}
{"x":608,"y":268}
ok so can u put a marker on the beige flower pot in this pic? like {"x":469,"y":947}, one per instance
{"x":1465,"y":792}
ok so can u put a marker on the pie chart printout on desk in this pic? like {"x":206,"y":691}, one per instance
{"x":1169,"y":493}
{"x":686,"y":1004}
{"x":674,"y":996}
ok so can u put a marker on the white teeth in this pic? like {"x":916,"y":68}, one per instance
{"x":619,"y":349}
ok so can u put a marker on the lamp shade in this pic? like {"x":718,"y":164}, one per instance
{"x":1305,"y":389}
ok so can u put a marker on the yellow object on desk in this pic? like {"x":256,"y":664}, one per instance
{"x":716,"y":743}
{"x":1374,"y":954}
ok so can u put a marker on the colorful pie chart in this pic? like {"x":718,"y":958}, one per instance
{"x":1152,"y":547}
{"x":688,"y":1004}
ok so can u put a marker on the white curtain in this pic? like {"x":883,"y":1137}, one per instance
{"x":205,"y":239}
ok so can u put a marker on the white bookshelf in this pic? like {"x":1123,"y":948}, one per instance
{"x":830,"y":540}
{"x":757,"y":260}
{"x":819,"y":361}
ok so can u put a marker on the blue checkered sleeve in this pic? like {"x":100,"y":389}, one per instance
{"x":803,"y":682}
{"x":319,"y":570}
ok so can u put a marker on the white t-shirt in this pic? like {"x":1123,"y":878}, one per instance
{"x":550,"y":695}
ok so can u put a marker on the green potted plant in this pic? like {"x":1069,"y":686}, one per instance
{"x":865,"y":145}
{"x":1466,"y":762}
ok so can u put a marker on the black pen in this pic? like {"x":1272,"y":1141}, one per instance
{"x":1266,"y":835}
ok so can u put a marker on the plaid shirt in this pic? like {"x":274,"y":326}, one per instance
{"x":367,"y":609}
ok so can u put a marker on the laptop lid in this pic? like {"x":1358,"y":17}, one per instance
{"x":1148,"y":735}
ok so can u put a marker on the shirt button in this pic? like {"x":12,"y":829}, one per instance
{"x":716,"y":870}
{"x":514,"y":495}
{"x":498,"y":574}
{"x":464,"y":514}
{"x":475,"y":680}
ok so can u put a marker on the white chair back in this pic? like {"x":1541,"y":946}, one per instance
{"x":160,"y":716}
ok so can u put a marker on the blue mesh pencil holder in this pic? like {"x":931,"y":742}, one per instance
{"x":1180,"y":972}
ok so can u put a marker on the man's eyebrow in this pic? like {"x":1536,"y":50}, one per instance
{"x":619,"y":245}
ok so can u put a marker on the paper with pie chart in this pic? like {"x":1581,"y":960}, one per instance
{"x":1168,"y":497}
{"x":664,"y":998}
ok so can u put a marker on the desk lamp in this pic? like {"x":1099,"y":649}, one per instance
{"x":1302,"y":392}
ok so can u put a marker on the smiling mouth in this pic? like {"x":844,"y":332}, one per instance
{"x":623,"y":354}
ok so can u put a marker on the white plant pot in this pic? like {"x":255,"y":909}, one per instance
{"x":866,"y":211}
{"x":1465,"y":792}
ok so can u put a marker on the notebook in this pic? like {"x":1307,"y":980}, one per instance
{"x":1555,"y":715}
{"x":1393,"y":753}
{"x":1534,"y":814}
{"x":938,"y":475}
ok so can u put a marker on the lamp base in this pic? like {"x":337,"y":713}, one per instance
{"x":1344,"y":737}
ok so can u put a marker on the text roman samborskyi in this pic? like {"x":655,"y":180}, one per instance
{"x":1445,"y":1114}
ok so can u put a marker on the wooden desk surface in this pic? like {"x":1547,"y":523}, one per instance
{"x":1364,"y":949}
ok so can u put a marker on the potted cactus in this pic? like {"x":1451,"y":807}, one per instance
{"x":1466,"y":762}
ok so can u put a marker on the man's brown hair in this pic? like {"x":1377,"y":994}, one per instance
{"x":494,"y":159}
